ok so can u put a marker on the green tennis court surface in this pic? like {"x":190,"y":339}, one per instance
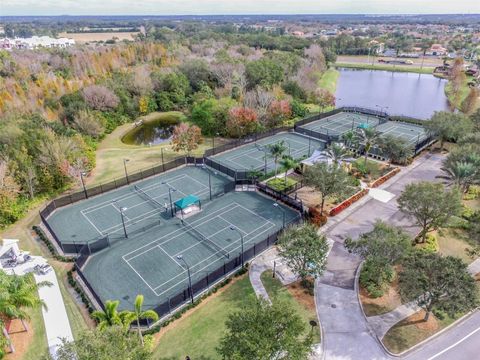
{"x":252,"y":156}
{"x":147,"y":263}
{"x":100,"y":216}
{"x":410,"y":132}
{"x":340,"y":123}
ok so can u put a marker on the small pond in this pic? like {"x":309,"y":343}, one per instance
{"x":152,"y":132}
{"x":409,"y":94}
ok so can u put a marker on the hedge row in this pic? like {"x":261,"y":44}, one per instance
{"x":346,"y":203}
{"x":41,"y":235}
{"x":73,"y":283}
{"x":179,"y":313}
{"x":384,"y":178}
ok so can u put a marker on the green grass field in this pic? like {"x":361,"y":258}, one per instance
{"x":396,"y":68}
{"x":329,"y":79}
{"x":275,"y":289}
{"x":112,"y":151}
{"x":199,"y":333}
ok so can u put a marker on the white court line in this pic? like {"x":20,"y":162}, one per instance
{"x":170,"y":256}
{"x":143,"y":216}
{"x":267,"y":222}
{"x":206,"y":266}
{"x":199,"y":192}
{"x":125,"y":196}
{"x":173,"y":232}
{"x":91,"y":223}
{"x":453,"y":345}
{"x":174,"y":237}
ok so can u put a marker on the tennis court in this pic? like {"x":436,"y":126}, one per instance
{"x":255,"y":156}
{"x":340,"y":123}
{"x":145,"y":204}
{"x":148,"y":263}
{"x":410,"y":132}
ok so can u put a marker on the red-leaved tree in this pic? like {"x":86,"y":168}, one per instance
{"x":241,"y":121}
{"x":278,"y":112}
{"x":186,"y":138}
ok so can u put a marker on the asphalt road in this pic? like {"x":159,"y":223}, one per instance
{"x":346,"y":334}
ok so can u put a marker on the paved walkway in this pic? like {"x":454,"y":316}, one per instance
{"x":347,"y":335}
{"x":382,"y":323}
{"x":55,"y":316}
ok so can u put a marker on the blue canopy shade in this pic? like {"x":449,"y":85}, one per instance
{"x":186,"y":201}
{"x":364,"y":126}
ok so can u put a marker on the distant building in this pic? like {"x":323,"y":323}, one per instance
{"x":298,"y":33}
{"x":377,"y":47}
{"x":437,"y":50}
{"x":35,"y":42}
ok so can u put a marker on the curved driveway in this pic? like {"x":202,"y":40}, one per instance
{"x":346,"y":334}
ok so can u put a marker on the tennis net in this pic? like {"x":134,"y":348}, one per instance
{"x":144,"y":195}
{"x":206,"y":240}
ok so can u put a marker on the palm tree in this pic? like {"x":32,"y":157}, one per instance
{"x":348,"y":138}
{"x":367,"y":138}
{"x":110,"y":316}
{"x":18,"y":294}
{"x":337,"y":153}
{"x":288,"y":163}
{"x":462,"y":174}
{"x":276,"y":151}
{"x":395,"y":149}
{"x":138,"y":314}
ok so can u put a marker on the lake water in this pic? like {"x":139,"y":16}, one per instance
{"x":403,"y":93}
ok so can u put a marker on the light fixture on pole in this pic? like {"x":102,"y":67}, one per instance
{"x":180,"y":257}
{"x":122,"y":210}
{"x":233,"y":228}
{"x":82,"y":174}
{"x":170,"y":190}
{"x":277,"y":205}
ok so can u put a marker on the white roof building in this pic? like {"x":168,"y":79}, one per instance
{"x":35,"y":42}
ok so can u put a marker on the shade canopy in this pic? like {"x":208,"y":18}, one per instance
{"x":185,"y":202}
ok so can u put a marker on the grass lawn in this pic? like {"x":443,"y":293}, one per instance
{"x":198,"y":333}
{"x":328,"y":81}
{"x":386,"y":67}
{"x":452,"y":242}
{"x":464,"y":90}
{"x":303,"y":303}
{"x":413,"y":330}
{"x":111,"y":152}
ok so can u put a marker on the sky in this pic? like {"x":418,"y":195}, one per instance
{"x":214,"y":7}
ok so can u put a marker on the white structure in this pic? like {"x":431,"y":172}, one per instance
{"x":57,"y":326}
{"x":35,"y":42}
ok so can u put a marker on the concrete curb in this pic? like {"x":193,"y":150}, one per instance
{"x":322,"y":332}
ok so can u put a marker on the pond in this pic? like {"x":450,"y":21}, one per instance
{"x":152,"y":132}
{"x":414,"y":95}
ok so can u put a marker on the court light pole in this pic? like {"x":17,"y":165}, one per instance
{"x":180,"y":257}
{"x":170,"y":190}
{"x":122,"y":209}
{"x":82,"y":174}
{"x":233,"y":228}
{"x":125,"y":168}
{"x":277,"y":205}
{"x":204,"y":167}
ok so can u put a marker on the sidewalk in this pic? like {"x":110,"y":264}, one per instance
{"x":347,"y":334}
{"x":55,"y":316}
